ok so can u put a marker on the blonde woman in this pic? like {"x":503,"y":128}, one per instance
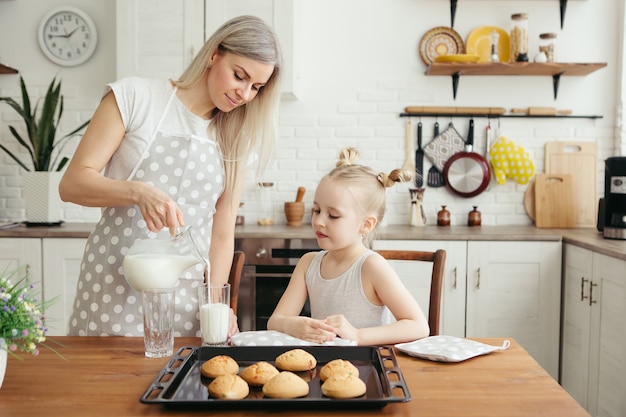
{"x":348,"y":285}
{"x":162,"y":154}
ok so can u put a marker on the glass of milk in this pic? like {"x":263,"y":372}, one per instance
{"x":214,"y":304}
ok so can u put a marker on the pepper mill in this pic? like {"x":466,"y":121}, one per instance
{"x":443,"y":217}
{"x":473,"y":217}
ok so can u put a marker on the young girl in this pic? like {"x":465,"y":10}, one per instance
{"x":347,"y":284}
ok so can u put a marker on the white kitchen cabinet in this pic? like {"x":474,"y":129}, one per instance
{"x":594,"y":331}
{"x":16,"y":252}
{"x":498,"y":289}
{"x":61,"y":266}
{"x":417,"y":280}
{"x":145,"y":49}
{"x":514,"y":290}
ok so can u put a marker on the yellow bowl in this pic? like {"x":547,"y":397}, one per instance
{"x":457,"y":58}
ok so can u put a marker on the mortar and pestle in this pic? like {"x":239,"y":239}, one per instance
{"x":294,"y":210}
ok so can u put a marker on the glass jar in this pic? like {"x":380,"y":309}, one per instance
{"x":547,"y":45}
{"x":519,"y":37}
{"x":265,"y":192}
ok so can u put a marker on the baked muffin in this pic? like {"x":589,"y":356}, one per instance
{"x":228,"y":387}
{"x":343,"y":386}
{"x":295,"y":360}
{"x":258,"y":373}
{"x":338,"y":367}
{"x":219,"y":365}
{"x":286,"y":385}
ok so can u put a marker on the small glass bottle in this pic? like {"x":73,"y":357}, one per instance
{"x":265,"y":193}
{"x":519,"y":37}
{"x":443,"y":217}
{"x":494,"y":38}
{"x":547,"y":45}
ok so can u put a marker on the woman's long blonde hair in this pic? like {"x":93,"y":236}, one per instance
{"x":367,"y":186}
{"x":251,"y":129}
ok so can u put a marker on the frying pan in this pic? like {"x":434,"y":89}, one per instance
{"x":468,"y":173}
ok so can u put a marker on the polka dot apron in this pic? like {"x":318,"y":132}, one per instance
{"x":189,"y":169}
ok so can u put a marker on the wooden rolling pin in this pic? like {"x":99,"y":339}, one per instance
{"x":455,"y":110}
{"x":541,"y":111}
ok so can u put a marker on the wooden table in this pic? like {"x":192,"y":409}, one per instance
{"x":106,"y":376}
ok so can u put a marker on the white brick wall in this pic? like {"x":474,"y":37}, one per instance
{"x":353,"y":85}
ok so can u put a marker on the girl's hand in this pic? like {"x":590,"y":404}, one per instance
{"x":233,"y":326}
{"x":311,"y":330}
{"x":342,"y":327}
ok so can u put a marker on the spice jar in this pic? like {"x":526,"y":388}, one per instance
{"x":474,"y":217}
{"x":519,"y":37}
{"x":547,"y":45}
{"x":265,"y":192}
{"x":443,"y":217}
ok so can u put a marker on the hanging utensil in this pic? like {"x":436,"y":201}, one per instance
{"x":435,"y":178}
{"x":419,"y":158}
{"x":467,"y":173}
{"x":408,"y":161}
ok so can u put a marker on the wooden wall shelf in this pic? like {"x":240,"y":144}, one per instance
{"x":7,"y":70}
{"x":556,"y":70}
{"x":497,"y":116}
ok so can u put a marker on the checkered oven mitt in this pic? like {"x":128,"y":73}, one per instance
{"x":511,"y":161}
{"x":440,"y":149}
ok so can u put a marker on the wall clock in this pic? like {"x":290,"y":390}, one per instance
{"x":67,"y":36}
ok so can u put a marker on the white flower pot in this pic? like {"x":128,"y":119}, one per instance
{"x":3,"y":363}
{"x":41,"y":192}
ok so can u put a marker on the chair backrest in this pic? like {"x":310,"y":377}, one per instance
{"x":234,"y":278}
{"x":438,"y":258}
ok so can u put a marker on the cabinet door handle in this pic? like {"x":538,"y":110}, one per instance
{"x":454,"y":284}
{"x":591,"y":285}
{"x":582,"y":288}
{"x":478,"y":279}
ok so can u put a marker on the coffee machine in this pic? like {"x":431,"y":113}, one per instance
{"x":612,"y":210}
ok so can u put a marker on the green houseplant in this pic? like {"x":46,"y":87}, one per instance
{"x":43,"y":172}
{"x":41,"y":141}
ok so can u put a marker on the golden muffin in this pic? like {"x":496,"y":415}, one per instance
{"x":338,"y":367}
{"x":295,"y":360}
{"x":228,"y":387}
{"x":286,"y":385}
{"x":259,"y":373}
{"x":343,"y":386}
{"x":219,"y":365}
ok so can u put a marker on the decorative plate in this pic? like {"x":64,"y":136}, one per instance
{"x":479,"y":43}
{"x":448,"y":348}
{"x":438,"y":41}
{"x":457,"y":58}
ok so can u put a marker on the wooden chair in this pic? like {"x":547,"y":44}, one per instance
{"x":438,"y":258}
{"x":234,"y":278}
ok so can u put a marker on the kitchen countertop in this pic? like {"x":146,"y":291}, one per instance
{"x":588,"y":238}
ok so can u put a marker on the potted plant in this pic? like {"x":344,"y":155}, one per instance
{"x":22,"y":321}
{"x":43,"y":204}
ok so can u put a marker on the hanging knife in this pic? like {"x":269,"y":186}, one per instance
{"x":419,"y":159}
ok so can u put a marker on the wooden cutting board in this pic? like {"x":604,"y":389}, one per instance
{"x":554,"y":199}
{"x":580,"y":160}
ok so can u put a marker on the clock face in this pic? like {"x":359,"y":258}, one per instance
{"x":67,"y":36}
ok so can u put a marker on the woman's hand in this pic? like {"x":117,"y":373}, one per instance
{"x":342,"y":327}
{"x":158,"y":209}
{"x":311,"y":330}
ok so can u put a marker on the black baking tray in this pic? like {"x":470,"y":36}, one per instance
{"x":180,"y":383}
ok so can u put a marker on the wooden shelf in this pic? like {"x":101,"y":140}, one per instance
{"x":497,"y":116}
{"x":556,"y":70}
{"x":7,"y":70}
